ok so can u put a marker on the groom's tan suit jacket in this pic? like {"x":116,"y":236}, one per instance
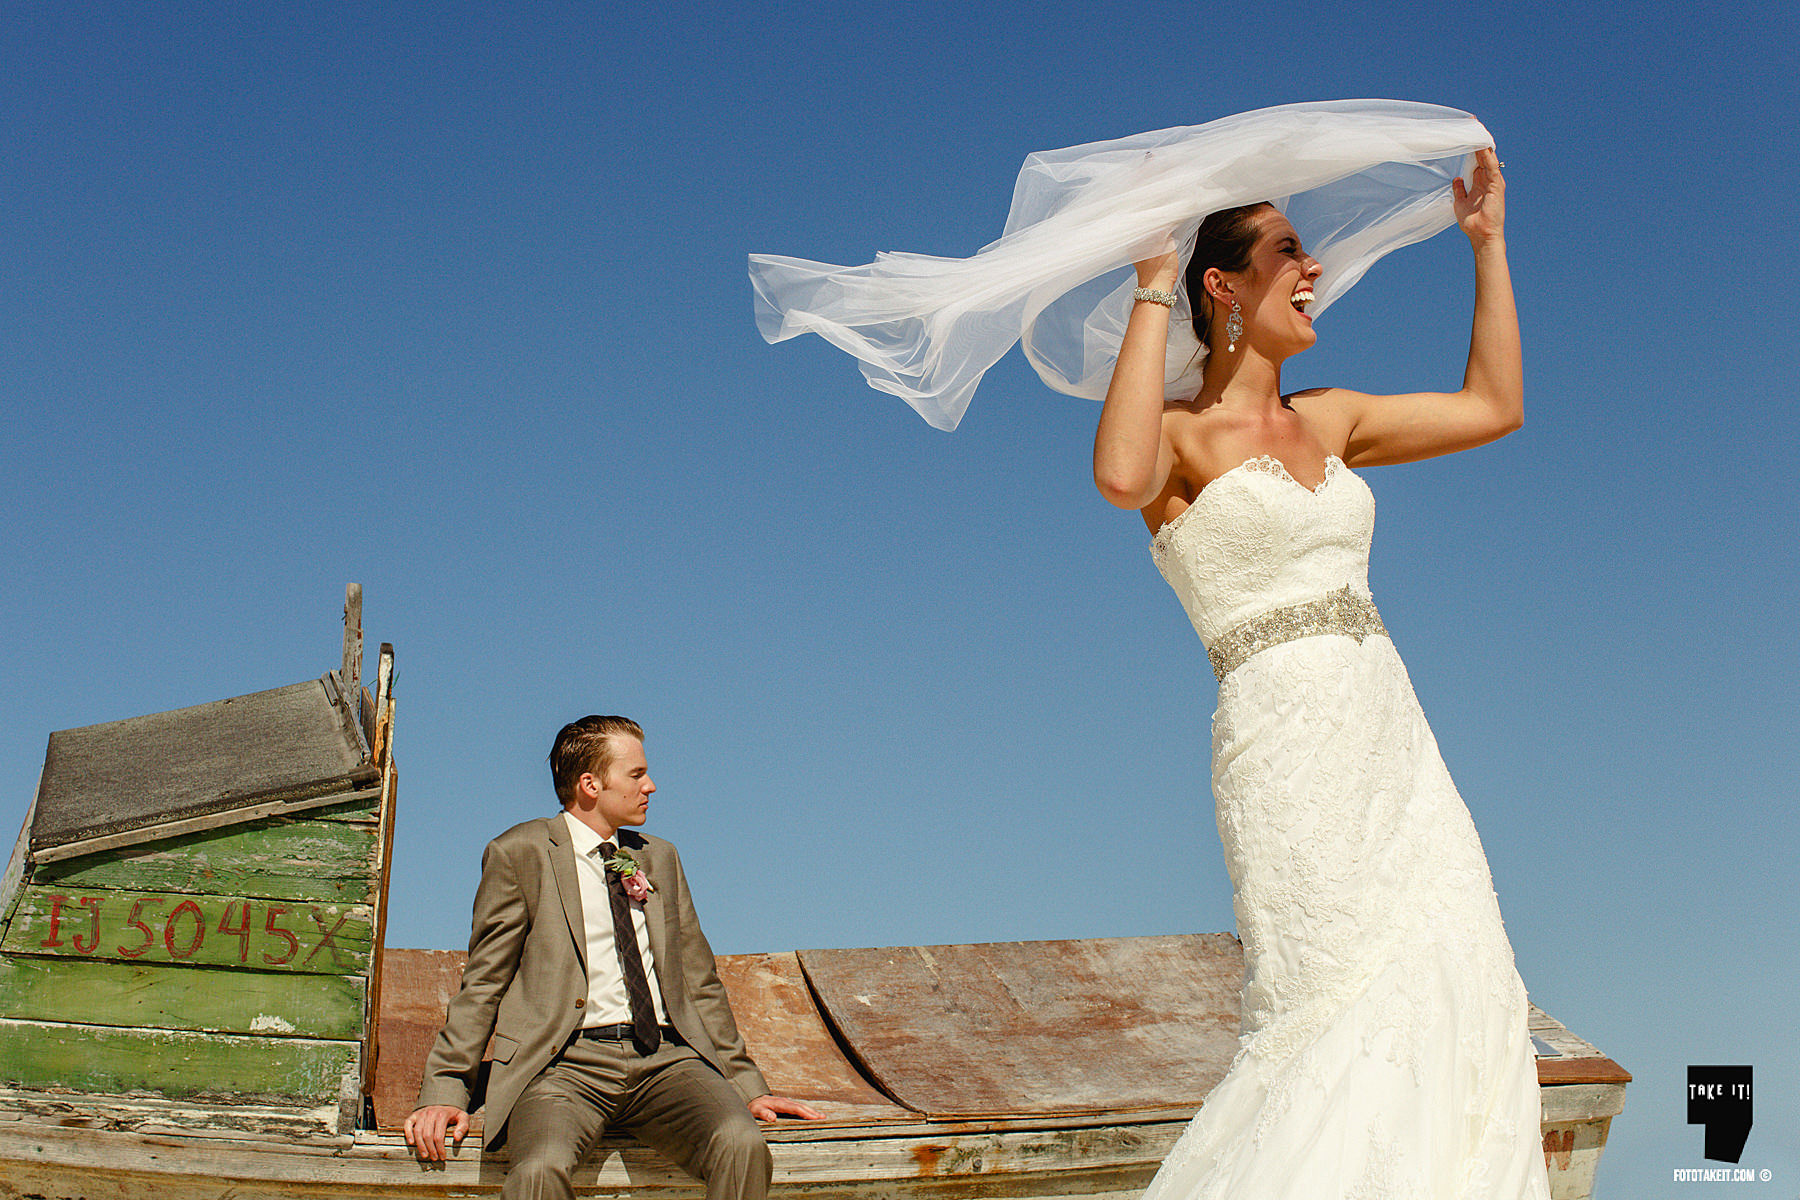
{"x":526,"y":983}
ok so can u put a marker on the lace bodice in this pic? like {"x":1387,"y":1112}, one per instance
{"x":1384,"y":1051}
{"x":1255,"y":539}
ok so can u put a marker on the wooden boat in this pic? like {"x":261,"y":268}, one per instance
{"x":196,"y":1004}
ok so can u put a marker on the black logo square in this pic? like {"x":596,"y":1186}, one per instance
{"x":1719,"y":1098}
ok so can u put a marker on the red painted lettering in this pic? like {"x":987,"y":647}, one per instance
{"x":327,"y":938}
{"x":92,"y":904}
{"x":269,"y":926}
{"x":135,"y":921}
{"x":199,"y":918}
{"x":54,"y":941}
{"x":241,"y":931}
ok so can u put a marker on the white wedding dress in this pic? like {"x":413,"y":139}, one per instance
{"x":1384,"y":1051}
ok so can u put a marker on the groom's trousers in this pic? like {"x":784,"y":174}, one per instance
{"x":670,"y":1100}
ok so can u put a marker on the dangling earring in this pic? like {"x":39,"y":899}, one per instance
{"x":1234,"y":325}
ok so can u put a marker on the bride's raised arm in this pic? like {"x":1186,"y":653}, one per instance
{"x":1490,"y":405}
{"x":1132,"y":459}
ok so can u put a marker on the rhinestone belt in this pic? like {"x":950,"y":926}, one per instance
{"x":1342,"y":611}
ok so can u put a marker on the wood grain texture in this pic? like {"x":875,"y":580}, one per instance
{"x":789,"y":1039}
{"x":381,"y":743}
{"x":13,"y":878}
{"x":224,"y":931}
{"x":333,"y":805}
{"x":1020,"y":1159}
{"x":253,"y":1003}
{"x":1030,"y":1027}
{"x":416,"y":988}
{"x":938,"y":1162}
{"x":1555,"y":1072}
{"x":44,"y":1056}
{"x":131,"y":776}
{"x":351,"y":670}
{"x":293,"y":859}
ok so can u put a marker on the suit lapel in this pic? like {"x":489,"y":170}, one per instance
{"x":568,"y":887}
{"x":655,"y":911}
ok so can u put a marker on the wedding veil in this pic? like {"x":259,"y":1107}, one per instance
{"x":1357,"y":178}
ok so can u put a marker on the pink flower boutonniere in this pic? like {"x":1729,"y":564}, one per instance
{"x":633,"y":878}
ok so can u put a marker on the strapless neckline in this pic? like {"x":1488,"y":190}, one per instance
{"x":1266,"y":464}
{"x":1379,"y":991}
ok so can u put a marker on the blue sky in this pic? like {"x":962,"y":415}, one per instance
{"x":452,"y":302}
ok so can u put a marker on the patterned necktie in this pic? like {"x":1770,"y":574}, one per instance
{"x":644,"y":1032}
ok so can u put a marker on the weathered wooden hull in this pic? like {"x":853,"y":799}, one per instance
{"x":1101,"y":1158}
{"x":196,"y":1004}
{"x":70,"y":1146}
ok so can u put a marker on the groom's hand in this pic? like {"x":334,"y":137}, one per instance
{"x":426,"y":1127}
{"x":768,"y":1108}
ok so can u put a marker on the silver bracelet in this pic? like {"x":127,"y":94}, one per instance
{"x":1166,"y":299}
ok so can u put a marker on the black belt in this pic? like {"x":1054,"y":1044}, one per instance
{"x":622,"y":1033}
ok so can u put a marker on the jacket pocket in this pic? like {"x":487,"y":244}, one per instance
{"x":502,"y":1048}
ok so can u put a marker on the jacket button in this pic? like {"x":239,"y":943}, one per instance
{"x":581,"y":1004}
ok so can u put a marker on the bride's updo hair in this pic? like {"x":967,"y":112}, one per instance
{"x":1224,"y":241}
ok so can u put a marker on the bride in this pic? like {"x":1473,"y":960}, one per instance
{"x":1384,"y":1049}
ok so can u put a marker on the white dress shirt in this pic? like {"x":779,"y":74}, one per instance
{"x":607,"y":1003}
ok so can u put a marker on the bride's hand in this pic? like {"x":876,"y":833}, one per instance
{"x":1481,"y":207}
{"x":1162,"y":269}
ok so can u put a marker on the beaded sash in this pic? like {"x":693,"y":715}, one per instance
{"x":1342,"y":611}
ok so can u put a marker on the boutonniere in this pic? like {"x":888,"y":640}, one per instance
{"x":633,"y":878}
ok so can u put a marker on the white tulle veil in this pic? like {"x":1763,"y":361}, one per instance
{"x":1357,"y":178}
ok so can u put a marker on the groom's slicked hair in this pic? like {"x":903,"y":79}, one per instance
{"x":584,"y":747}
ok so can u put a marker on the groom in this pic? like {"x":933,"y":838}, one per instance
{"x":588,"y":971}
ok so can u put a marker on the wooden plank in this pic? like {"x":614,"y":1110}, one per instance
{"x":939,"y":1163}
{"x":94,"y":1058}
{"x":320,"y":806}
{"x":330,"y":861}
{"x":1575,"y":1103}
{"x":163,"y":1119}
{"x":789,"y":1039}
{"x":255,"y":1003}
{"x":1557,"y":1071}
{"x":1554,"y":1034}
{"x":943,"y":1164}
{"x":390,"y":782}
{"x":288,"y":745}
{"x":1572,"y":1155}
{"x":351,"y":674}
{"x":364,"y":807}
{"x":13,"y":881}
{"x":1570,"y":1060}
{"x":783,"y":1028}
{"x":346,"y":701}
{"x":222,"y":931}
{"x":384,"y":706}
{"x":1106,"y":1025}
{"x":416,"y":988}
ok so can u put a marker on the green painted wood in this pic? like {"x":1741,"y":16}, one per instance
{"x":355,"y":810}
{"x":331,"y":861}
{"x":147,"y":995}
{"x":178,"y":1065}
{"x":220,"y":931}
